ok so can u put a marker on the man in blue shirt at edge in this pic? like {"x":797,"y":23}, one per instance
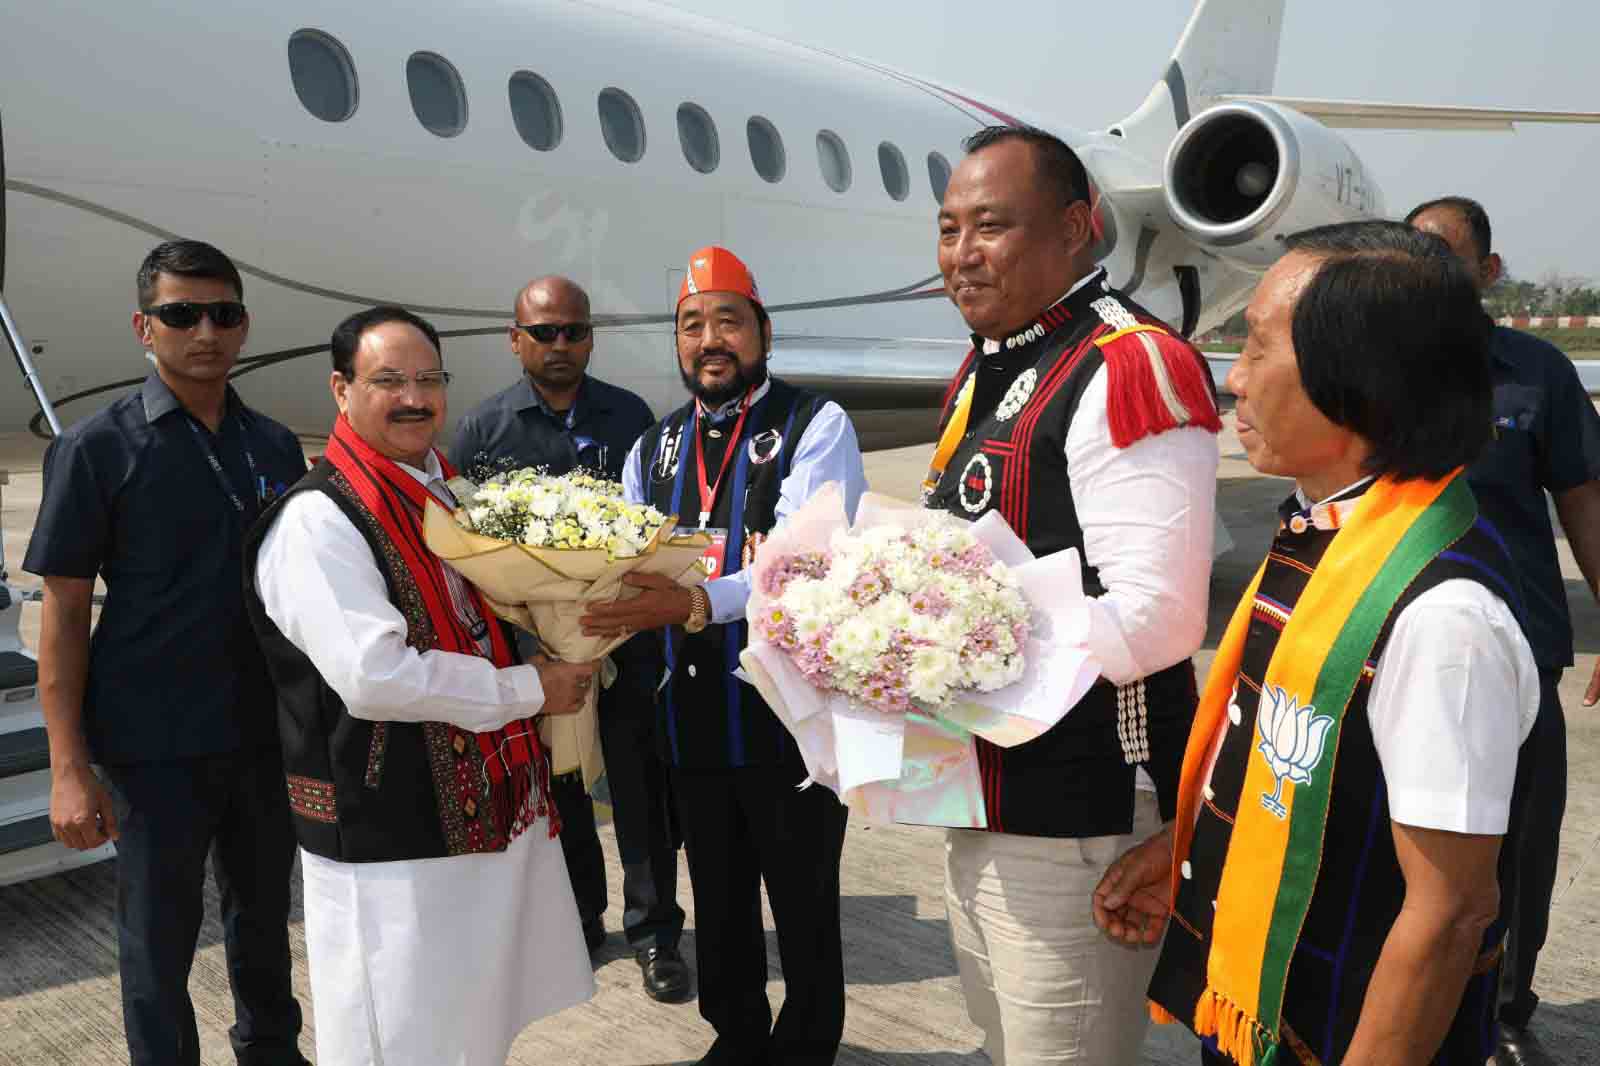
{"x":1546,"y":439}
{"x":171,"y":697}
{"x":740,"y":456}
{"x":559,"y":417}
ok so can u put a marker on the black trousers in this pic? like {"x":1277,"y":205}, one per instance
{"x":741,"y":828}
{"x":172,"y":815}
{"x":1528,"y":881}
{"x":651,"y":917}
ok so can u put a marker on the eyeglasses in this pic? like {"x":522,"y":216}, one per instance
{"x":546,"y":332}
{"x":395,"y":382}
{"x":185,"y":314}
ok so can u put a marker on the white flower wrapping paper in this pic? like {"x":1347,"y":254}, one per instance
{"x":546,"y":591}
{"x":919,"y":768}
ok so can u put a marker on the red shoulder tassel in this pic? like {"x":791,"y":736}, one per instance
{"x":1156,"y":382}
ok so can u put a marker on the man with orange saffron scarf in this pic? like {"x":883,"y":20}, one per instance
{"x":1331,"y":872}
{"x":439,"y":917}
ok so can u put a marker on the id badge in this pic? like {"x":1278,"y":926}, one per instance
{"x":714,"y":558}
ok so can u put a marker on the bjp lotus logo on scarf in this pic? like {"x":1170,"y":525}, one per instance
{"x":1292,"y":739}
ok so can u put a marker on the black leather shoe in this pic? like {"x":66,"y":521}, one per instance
{"x":1519,"y":1047}
{"x":666,"y":975}
{"x":594,"y":934}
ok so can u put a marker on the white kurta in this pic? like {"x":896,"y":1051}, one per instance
{"x":436,"y":962}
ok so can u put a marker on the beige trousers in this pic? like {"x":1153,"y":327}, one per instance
{"x":1040,"y":980}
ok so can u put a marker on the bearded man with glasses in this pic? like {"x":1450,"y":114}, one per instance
{"x":171,"y":699}
{"x":559,"y":417}
{"x":439,"y":917}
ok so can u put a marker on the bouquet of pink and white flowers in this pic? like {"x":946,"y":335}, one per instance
{"x":899,"y":619}
{"x":886,"y":646}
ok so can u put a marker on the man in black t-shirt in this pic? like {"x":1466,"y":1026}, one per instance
{"x":170,"y":698}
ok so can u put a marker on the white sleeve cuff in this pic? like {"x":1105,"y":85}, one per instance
{"x":521,"y":686}
{"x":728,"y":596}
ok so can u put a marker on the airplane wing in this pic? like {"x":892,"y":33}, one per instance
{"x":1358,"y":114}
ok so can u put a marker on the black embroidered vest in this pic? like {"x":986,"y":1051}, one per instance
{"x":1359,"y":888}
{"x":1077,"y":780}
{"x":365,"y":791}
{"x":709,"y":718}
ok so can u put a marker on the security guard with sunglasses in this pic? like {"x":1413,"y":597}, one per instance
{"x":558,"y":417}
{"x":171,"y":698}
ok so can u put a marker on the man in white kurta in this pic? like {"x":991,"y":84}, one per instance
{"x":431,"y":960}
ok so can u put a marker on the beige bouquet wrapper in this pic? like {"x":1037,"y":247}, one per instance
{"x":546,"y":591}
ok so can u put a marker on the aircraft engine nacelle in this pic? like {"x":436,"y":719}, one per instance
{"x":1243,"y":175}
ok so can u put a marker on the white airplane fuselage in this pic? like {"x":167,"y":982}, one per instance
{"x":185,"y":121}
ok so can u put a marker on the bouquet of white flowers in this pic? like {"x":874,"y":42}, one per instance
{"x":577,"y":511}
{"x":541,"y":549}
{"x":886,"y":646}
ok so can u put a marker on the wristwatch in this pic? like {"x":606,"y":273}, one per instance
{"x":699,"y":610}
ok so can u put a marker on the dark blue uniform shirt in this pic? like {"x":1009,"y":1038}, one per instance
{"x":1546,"y":439}
{"x":130,"y":494}
{"x":516,"y":427}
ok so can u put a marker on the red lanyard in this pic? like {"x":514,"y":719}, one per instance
{"x":708,"y":491}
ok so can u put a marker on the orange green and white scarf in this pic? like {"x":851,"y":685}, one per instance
{"x":1274,"y":853}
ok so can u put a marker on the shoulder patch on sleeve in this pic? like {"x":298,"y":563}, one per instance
{"x":1155,"y":382}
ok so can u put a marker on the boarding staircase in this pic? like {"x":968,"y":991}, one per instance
{"x":27,"y":848}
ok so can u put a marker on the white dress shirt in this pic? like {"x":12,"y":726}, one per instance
{"x":826,"y":451}
{"x":1454,"y":695}
{"x":421,"y":961}
{"x":1148,"y":516}
{"x":322,"y":588}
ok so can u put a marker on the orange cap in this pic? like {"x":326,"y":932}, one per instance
{"x":715,"y":269}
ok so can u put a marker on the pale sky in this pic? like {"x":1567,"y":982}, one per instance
{"x":1087,"y":65}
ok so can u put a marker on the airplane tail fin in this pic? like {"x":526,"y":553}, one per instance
{"x":1229,"y":48}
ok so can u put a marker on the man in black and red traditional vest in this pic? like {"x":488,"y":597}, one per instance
{"x":1089,"y":425}
{"x":439,"y":916}
{"x":744,"y":452}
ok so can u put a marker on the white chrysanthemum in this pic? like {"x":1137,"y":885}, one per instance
{"x":933,"y":672}
{"x":894,"y":610}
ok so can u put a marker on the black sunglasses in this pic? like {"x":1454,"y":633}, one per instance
{"x":546,"y":332}
{"x":185,"y":314}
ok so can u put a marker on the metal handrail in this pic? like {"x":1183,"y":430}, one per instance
{"x":19,"y":349}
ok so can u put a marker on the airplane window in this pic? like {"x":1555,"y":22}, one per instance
{"x":622,"y":125}
{"x":896,"y":180}
{"x":437,"y":95}
{"x":834,"y":159}
{"x":938,"y":174}
{"x":766,"y":148}
{"x":324,"y":78}
{"x":535,"y":110}
{"x":698,"y":135}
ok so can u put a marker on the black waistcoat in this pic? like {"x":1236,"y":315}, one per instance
{"x":709,"y":718}
{"x":365,"y":791}
{"x":1077,"y":780}
{"x":1359,"y":887}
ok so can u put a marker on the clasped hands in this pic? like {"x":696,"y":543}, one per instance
{"x":661,"y":602}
